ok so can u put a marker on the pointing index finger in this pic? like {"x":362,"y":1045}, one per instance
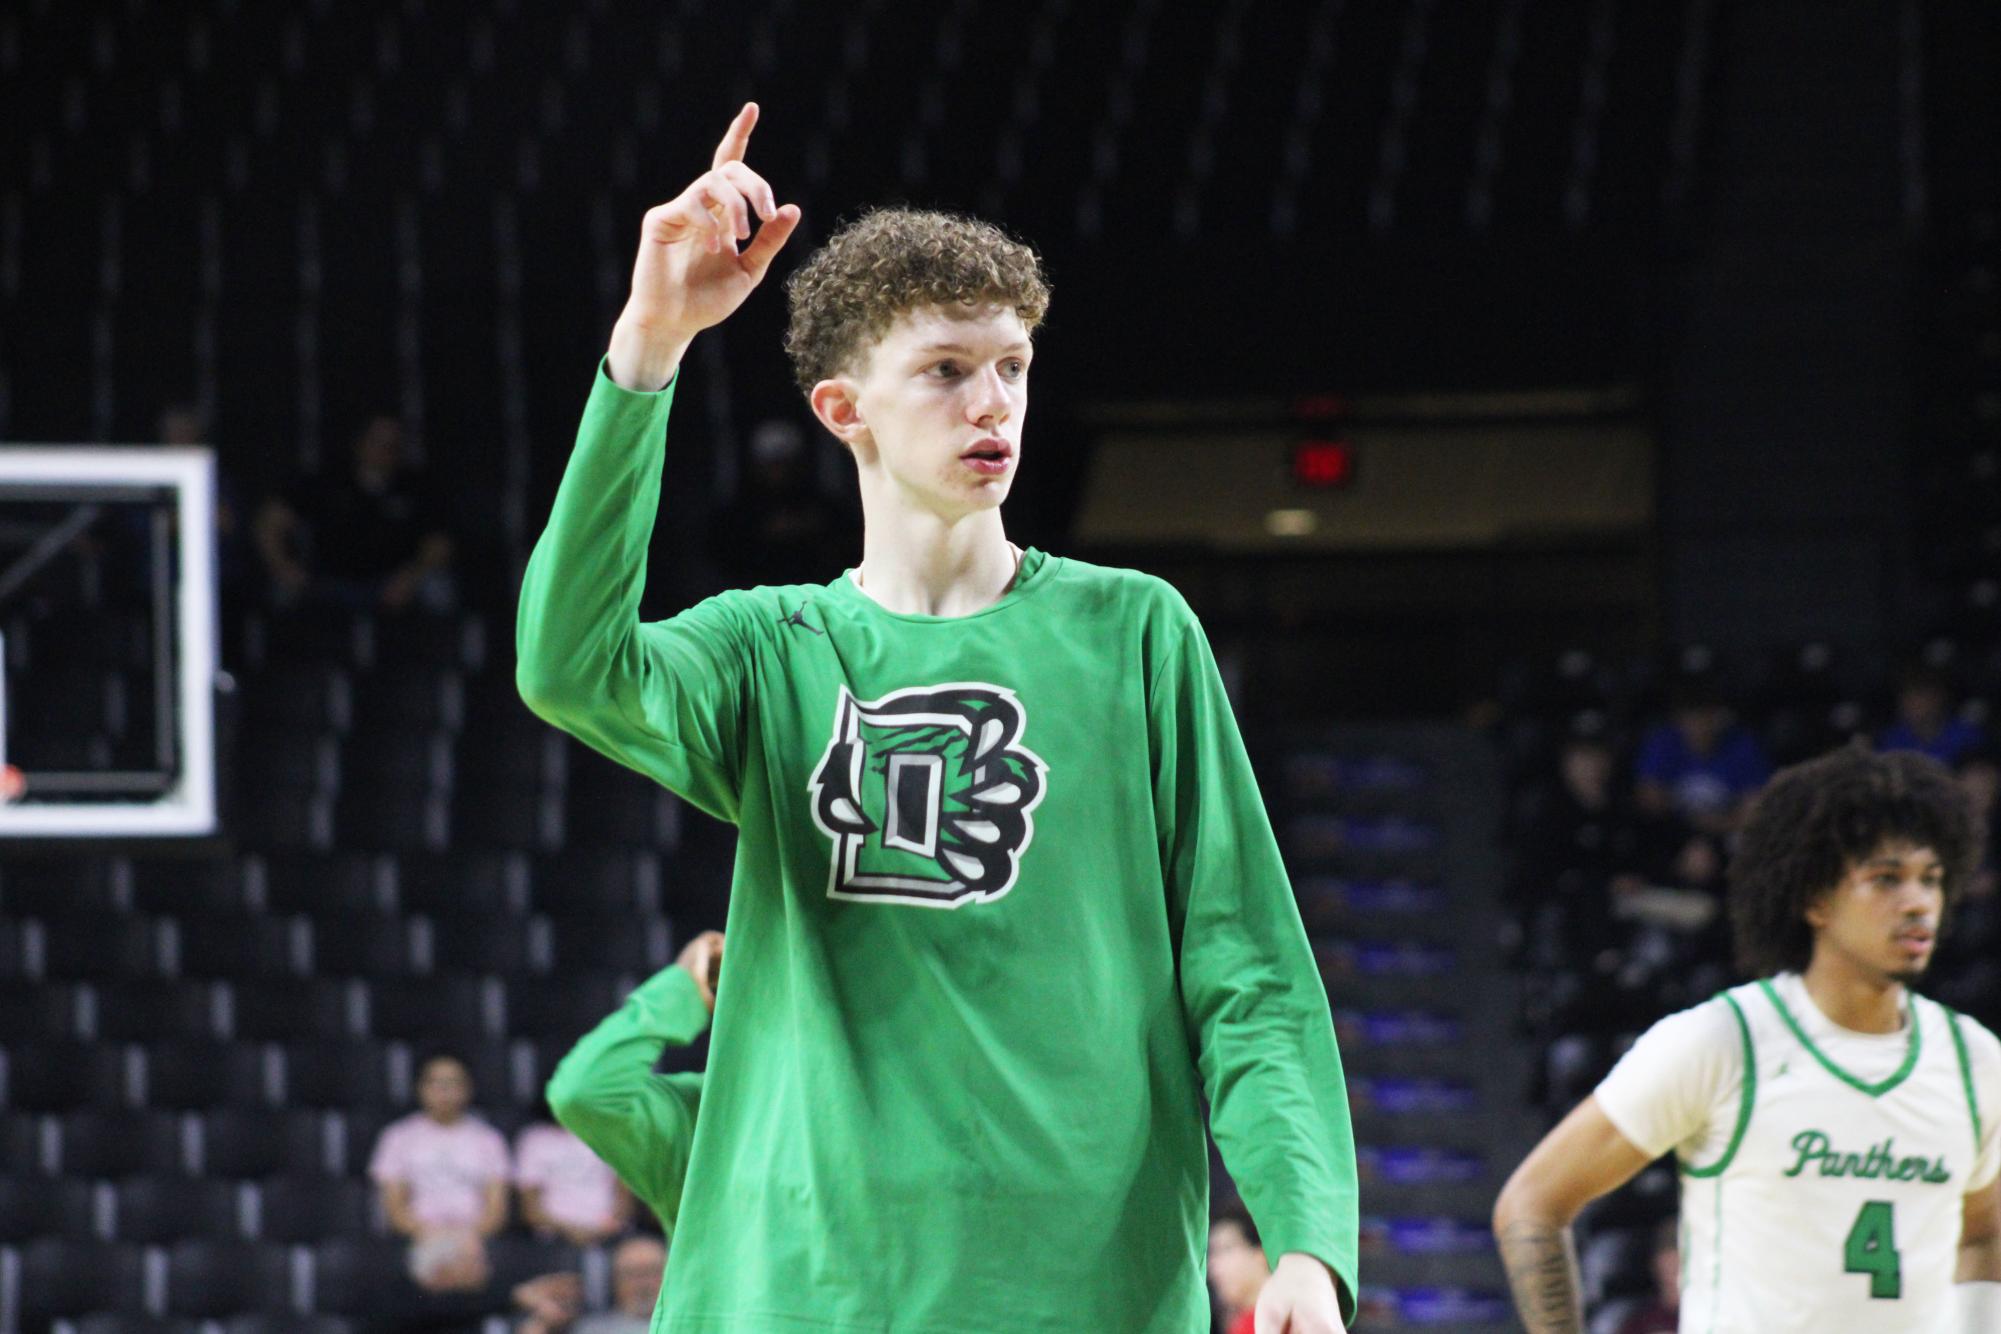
{"x":737,"y":138}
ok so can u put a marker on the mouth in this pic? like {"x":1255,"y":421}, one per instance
{"x":1916,"y":943}
{"x":989,"y":457}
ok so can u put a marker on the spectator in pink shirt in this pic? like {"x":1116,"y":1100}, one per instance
{"x":566,"y":1190}
{"x":443,"y":1176}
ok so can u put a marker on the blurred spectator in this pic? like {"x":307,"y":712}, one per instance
{"x":1925,"y":721}
{"x":370,"y":534}
{"x":443,"y":1176}
{"x":1967,"y":971}
{"x":1237,"y":1268}
{"x":554,"y":1302}
{"x":1662,"y":1315}
{"x":1700,"y":765}
{"x":782,"y":527}
{"x":566,"y":1190}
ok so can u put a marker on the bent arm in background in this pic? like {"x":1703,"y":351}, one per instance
{"x":606,"y":1093}
{"x":1584,"y":1157}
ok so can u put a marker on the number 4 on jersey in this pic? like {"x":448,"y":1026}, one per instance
{"x":1872,"y":1249}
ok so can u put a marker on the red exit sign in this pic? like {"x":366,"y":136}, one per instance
{"x":1323,"y":464}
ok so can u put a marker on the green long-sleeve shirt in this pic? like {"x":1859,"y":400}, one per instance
{"x":1006,"y":904}
{"x":605,"y":1091}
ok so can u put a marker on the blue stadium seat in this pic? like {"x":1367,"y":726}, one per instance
{"x":60,"y":887}
{"x":364,"y":1277}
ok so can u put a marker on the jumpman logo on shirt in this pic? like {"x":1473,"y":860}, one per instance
{"x":798,"y":617}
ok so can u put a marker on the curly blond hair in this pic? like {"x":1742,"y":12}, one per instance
{"x":892,"y":260}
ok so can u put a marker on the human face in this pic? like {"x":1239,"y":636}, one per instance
{"x":444,"y":1089}
{"x":936,"y":413}
{"x":1883,"y":917}
{"x":636,"y":1271}
{"x":1236,"y":1268}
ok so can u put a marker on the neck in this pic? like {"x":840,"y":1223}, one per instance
{"x":1860,"y":1000}
{"x":917,"y":563}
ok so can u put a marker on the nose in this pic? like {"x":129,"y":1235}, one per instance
{"x":987,"y":402}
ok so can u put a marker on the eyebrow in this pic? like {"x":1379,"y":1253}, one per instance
{"x":1897,"y":863}
{"x":963,"y":350}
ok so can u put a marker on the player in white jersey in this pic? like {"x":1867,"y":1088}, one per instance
{"x":1838,"y":1135}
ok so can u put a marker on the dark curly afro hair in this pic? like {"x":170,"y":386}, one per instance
{"x":1814,"y":820}
{"x":891,"y":260}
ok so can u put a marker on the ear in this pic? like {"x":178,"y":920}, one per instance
{"x":1816,"y":911}
{"x":837,"y":403}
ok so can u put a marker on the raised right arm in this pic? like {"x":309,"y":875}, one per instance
{"x":654,"y":697}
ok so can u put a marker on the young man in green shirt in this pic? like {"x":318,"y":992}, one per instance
{"x":1006,"y":901}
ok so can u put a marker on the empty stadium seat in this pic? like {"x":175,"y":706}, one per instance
{"x":433,"y":1009}
{"x":67,"y":1278}
{"x":564,"y":1007}
{"x":212,"y":1278}
{"x":484,"y":880}
{"x":164,"y":1209}
{"x":290,"y":1009}
{"x":357,"y":1074}
{"x":239,"y":1143}
{"x":142,"y":1011}
{"x":119,"y":1143}
{"x":38,"y":1208}
{"x":103,"y":1323}
{"x":56,"y":1077}
{"x":191,"y":1076}
{"x":230,"y":945}
{"x":94,"y":950}
{"x":475,"y":942}
{"x":182,"y":886}
{"x":377,"y":945}
{"x":303,"y":1211}
{"x":323,"y":885}
{"x":597,"y":881}
{"x":42,"y":1011}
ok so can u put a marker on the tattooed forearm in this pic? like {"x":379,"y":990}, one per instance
{"x":1542,"y":1270}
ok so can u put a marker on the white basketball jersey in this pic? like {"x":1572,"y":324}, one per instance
{"x":1836,"y":1204}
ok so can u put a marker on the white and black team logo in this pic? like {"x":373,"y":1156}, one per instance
{"x":928,"y":795}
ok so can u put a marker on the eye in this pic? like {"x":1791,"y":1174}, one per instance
{"x":1014,"y":368}
{"x":944,"y":370}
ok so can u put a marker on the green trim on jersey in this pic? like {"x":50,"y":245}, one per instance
{"x":1873,"y":1090}
{"x":1965,"y":1074}
{"x":1746,"y":1097}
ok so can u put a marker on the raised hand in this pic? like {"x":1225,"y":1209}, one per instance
{"x":690,"y":274}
